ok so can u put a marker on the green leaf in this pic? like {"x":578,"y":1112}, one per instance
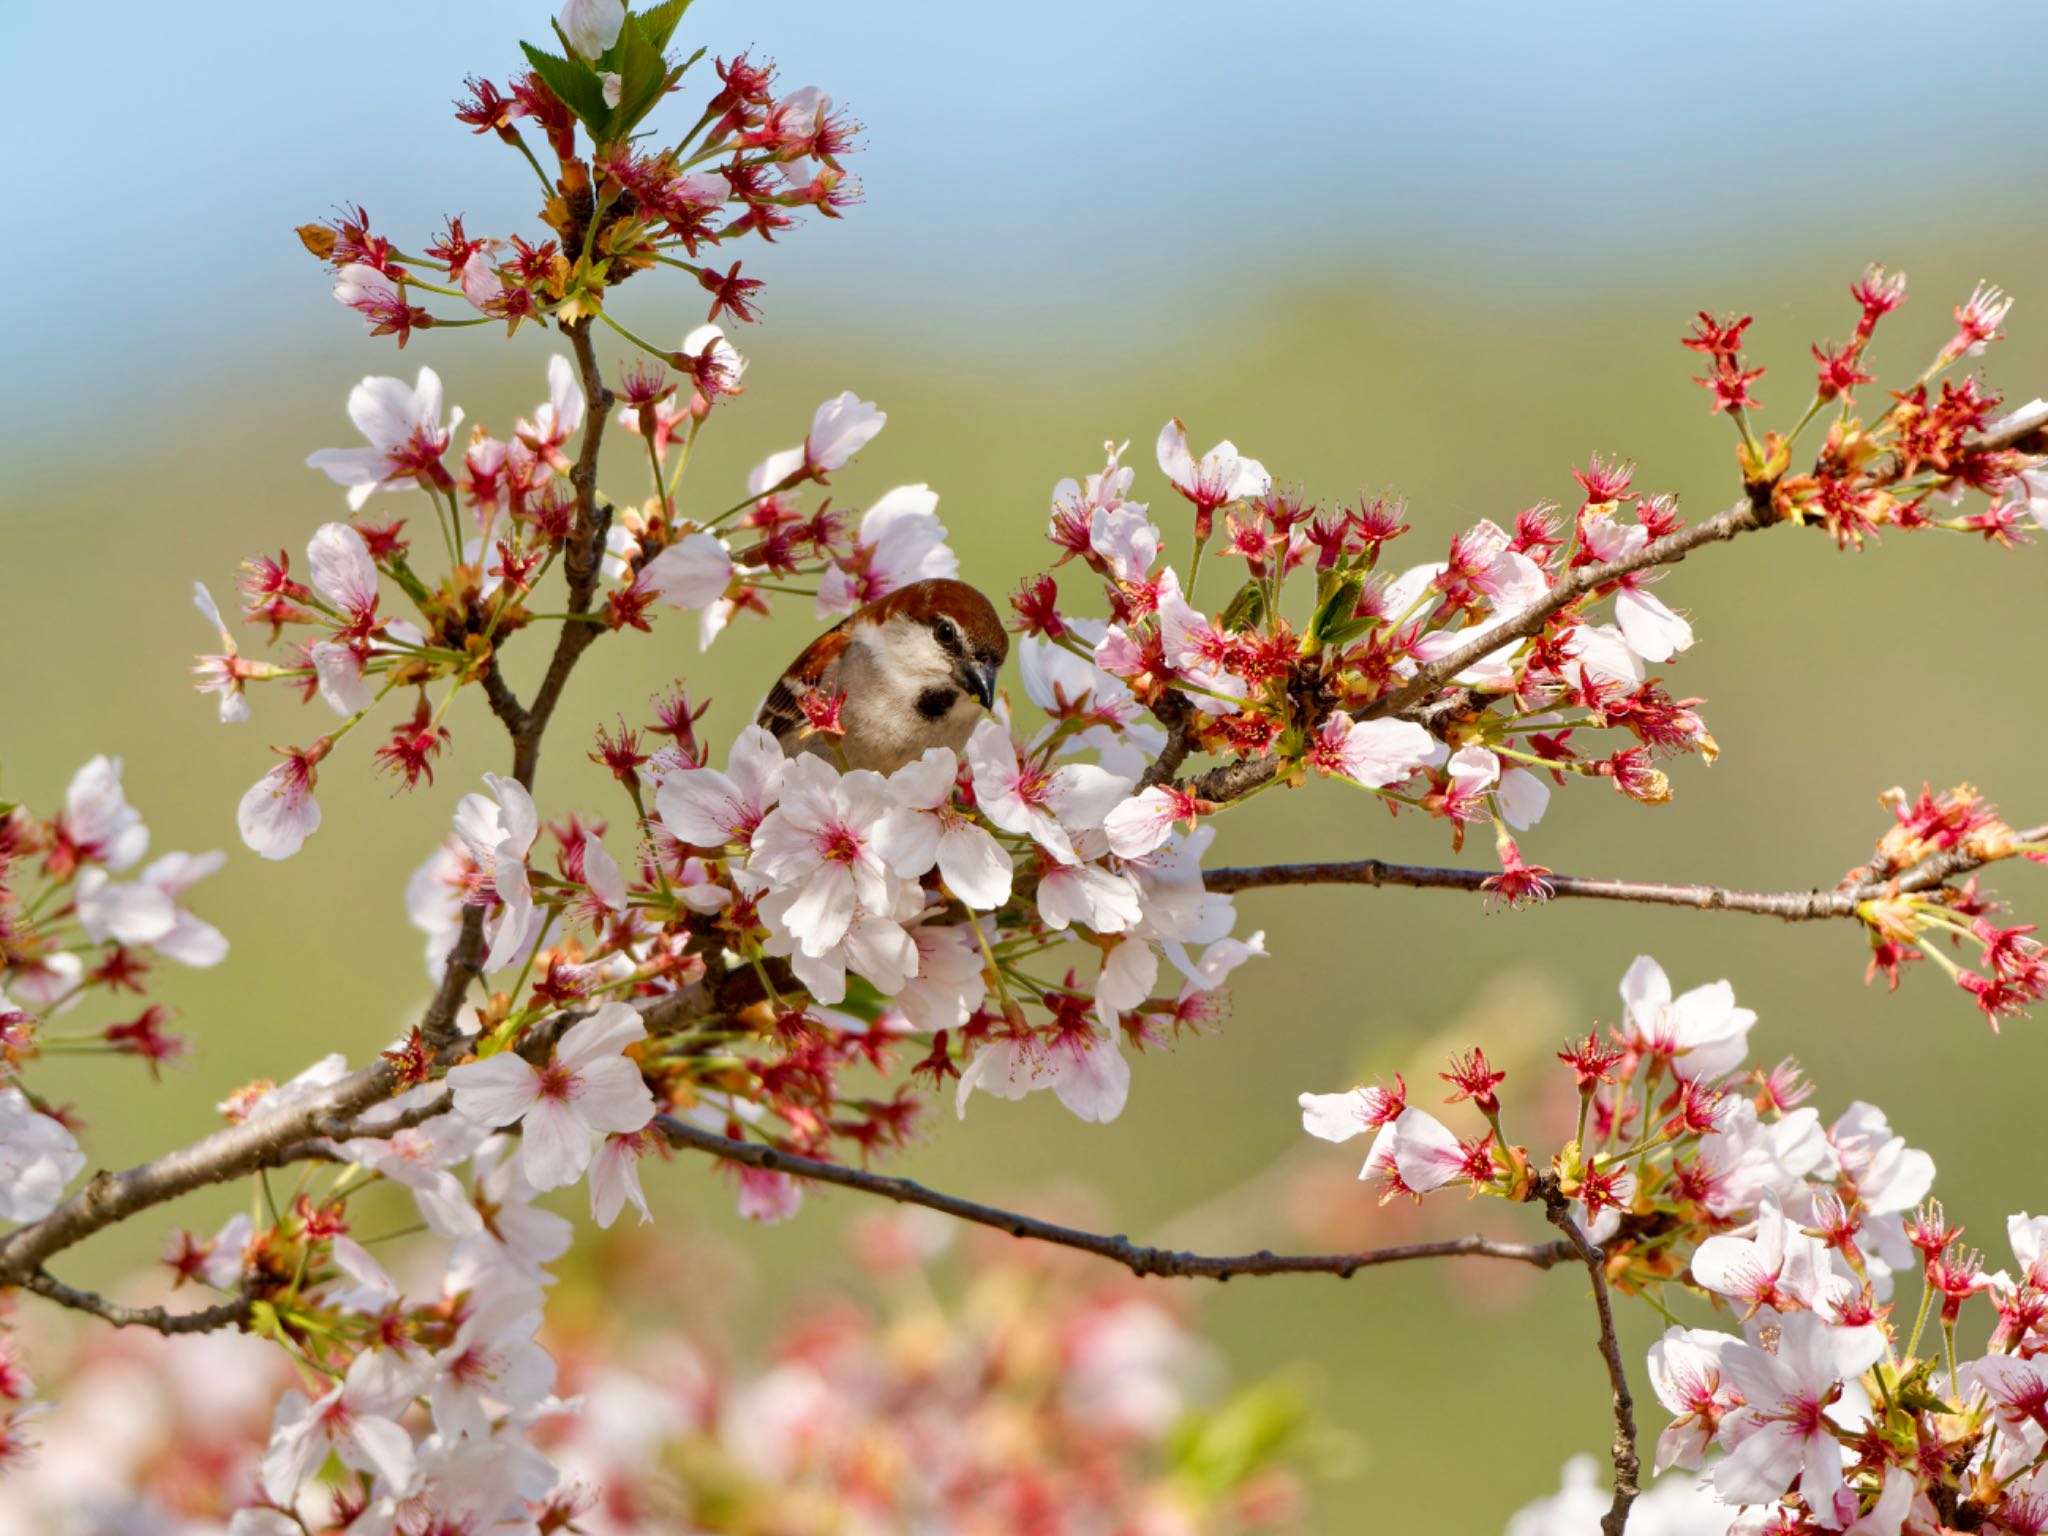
{"x":659,"y":22}
{"x":1334,"y":613}
{"x":1218,"y":1450}
{"x":1246,"y":609}
{"x":578,"y":86}
{"x":643,"y":74}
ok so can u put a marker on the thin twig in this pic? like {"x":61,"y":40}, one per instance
{"x":582,"y":560}
{"x":1789,"y":906}
{"x":1626,"y":1466}
{"x":1136,"y":1257}
{"x":229,"y":1314}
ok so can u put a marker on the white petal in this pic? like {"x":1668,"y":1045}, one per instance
{"x":614,"y":1097}
{"x":494,"y":1091}
{"x":555,"y":1145}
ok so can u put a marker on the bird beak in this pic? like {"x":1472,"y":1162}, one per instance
{"x":979,"y":679}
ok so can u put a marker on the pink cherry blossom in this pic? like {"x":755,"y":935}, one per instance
{"x":492,"y":1367}
{"x":900,"y":541}
{"x":498,"y":832}
{"x":1702,"y":1032}
{"x":97,"y":824}
{"x":1047,"y":805}
{"x":615,"y":1179}
{"x":842,"y":426}
{"x":1219,"y":476}
{"x":587,"y":1088}
{"x":406,"y":438}
{"x":820,"y":847}
{"x":38,"y":1157}
{"x":708,"y":809}
{"x":278,"y":812}
{"x":592,"y":26}
{"x":1423,"y":1151}
{"x":1374,"y":753}
{"x":1088,"y":1074}
{"x":924,"y":829}
{"x":1785,"y":1430}
{"x":768,"y":1197}
{"x":1099,"y":899}
{"x":1685,"y":1373}
{"x":1777,"y":1266}
{"x":693,"y":572}
{"x":558,"y":419}
{"x":222,"y":673}
{"x":356,"y":1421}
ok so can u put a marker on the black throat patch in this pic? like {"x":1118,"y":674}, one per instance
{"x":936,"y":703}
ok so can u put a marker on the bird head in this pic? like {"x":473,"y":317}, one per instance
{"x":943,"y":636}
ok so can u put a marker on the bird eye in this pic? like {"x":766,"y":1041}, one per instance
{"x":949,"y":637}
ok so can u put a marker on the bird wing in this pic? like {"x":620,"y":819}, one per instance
{"x":781,"y":713}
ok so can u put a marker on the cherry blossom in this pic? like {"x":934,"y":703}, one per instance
{"x":707,"y":808}
{"x":406,"y":438}
{"x":498,"y":832}
{"x":98,"y":825}
{"x":356,"y":1420}
{"x":1219,"y":476}
{"x":1045,"y":804}
{"x":1374,"y":753}
{"x":38,"y":1157}
{"x":1685,"y":1373}
{"x":491,"y":1364}
{"x":693,"y":572}
{"x":587,"y":1088}
{"x":840,"y":428}
{"x":820,"y":848}
{"x":278,"y":812}
{"x":558,"y":418}
{"x":1087,"y":1073}
{"x":592,"y":26}
{"x":1785,"y":1431}
{"x":923,"y":830}
{"x":615,"y":1180}
{"x":1702,"y":1032}
{"x":900,"y":541}
{"x":223,"y":673}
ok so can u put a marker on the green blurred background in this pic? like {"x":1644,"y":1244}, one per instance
{"x":1447,"y":259}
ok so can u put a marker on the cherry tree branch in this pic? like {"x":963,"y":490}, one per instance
{"x":2026,"y":430}
{"x":1136,"y":1257}
{"x":229,"y":1314}
{"x":1627,"y":1468}
{"x":582,"y":559}
{"x":1789,"y":906}
{"x":273,"y":1139}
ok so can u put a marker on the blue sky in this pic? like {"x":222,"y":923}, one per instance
{"x":1085,"y":156}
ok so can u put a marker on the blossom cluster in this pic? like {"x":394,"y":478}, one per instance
{"x":901,"y":911}
{"x":1812,"y":1404}
{"x":1908,"y":926}
{"x":83,"y":922}
{"x":980,"y":1391}
{"x":618,"y":201}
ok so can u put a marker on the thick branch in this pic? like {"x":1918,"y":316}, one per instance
{"x":280,"y":1136}
{"x":1626,"y":1467}
{"x":1137,"y":1258}
{"x":1790,"y":906}
{"x":229,"y":1314}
